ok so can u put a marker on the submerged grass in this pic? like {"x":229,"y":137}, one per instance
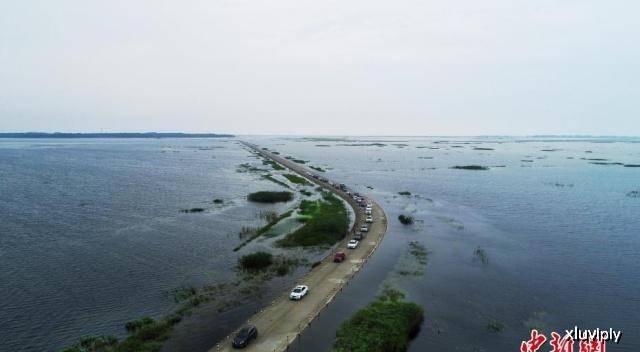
{"x":270,"y":197}
{"x":264,"y":229}
{"x":470,"y":167}
{"x":325,"y":224}
{"x":298,"y":180}
{"x":272,"y":179}
{"x":386,"y":325}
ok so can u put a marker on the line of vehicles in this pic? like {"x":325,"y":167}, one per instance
{"x":249,"y":332}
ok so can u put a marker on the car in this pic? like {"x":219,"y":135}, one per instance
{"x":369,"y":219}
{"x":364,"y":228}
{"x":368,"y":211}
{"x":358,"y":236}
{"x":352,"y":244}
{"x":339,"y":257}
{"x":244,"y":336}
{"x":299,"y":292}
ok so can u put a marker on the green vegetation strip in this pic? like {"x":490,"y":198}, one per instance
{"x":272,"y":179}
{"x":326,"y":223}
{"x":270,"y":197}
{"x":470,"y":167}
{"x":273,"y":164}
{"x":264,"y":229}
{"x":297,"y":179}
{"x":386,"y":325}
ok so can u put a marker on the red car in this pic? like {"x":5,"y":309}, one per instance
{"x":339,"y":257}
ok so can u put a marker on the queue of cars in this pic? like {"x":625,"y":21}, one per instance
{"x":247,"y":333}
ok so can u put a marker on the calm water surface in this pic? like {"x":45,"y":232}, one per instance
{"x":91,"y":235}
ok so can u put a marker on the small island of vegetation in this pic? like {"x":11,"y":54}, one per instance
{"x":325,"y":223}
{"x":270,"y":197}
{"x":470,"y":167}
{"x":192,"y":210}
{"x":297,"y":179}
{"x":404,"y":193}
{"x":386,"y":325}
{"x":405,"y":219}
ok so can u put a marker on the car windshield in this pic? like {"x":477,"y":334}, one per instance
{"x":297,"y":290}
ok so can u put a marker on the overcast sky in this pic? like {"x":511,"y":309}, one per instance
{"x":415,"y":67}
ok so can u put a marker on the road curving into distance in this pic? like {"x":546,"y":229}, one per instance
{"x":280,"y":323}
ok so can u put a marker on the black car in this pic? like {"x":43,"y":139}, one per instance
{"x":244,"y":336}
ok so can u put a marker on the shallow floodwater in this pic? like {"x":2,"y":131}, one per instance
{"x":91,"y":235}
{"x":560,"y":235}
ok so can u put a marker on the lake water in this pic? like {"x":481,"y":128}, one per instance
{"x":91,"y":235}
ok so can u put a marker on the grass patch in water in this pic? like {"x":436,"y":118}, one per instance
{"x":386,"y":325}
{"x":218,"y":201}
{"x":264,"y":229}
{"x":404,"y":193}
{"x":298,"y":180}
{"x":273,"y":164}
{"x":326,"y":224}
{"x":470,"y":167}
{"x":405,"y":219}
{"x":272,"y":179}
{"x":317,"y":168}
{"x":256,"y":261}
{"x":270,"y":197}
{"x":192,"y":210}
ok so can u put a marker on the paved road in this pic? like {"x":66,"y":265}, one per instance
{"x":280,"y":323}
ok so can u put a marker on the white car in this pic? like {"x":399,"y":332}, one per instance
{"x":364,"y":229}
{"x":369,"y":219}
{"x":299,"y":292}
{"x":368,"y":211}
{"x":352,"y":244}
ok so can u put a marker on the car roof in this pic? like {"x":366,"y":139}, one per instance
{"x":300,"y":287}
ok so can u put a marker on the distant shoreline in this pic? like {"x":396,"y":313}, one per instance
{"x":113,"y":135}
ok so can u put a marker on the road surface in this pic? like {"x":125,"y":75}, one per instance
{"x":283,"y":320}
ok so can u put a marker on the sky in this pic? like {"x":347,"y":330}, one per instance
{"x":354,"y":67}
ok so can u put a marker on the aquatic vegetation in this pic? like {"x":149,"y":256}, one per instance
{"x":405,"y":219}
{"x":404,"y":193}
{"x":134,"y":325}
{"x":558,"y":184}
{"x":327,"y":223}
{"x":481,"y":148}
{"x":418,"y":251}
{"x":633,"y":194}
{"x":246,"y":167}
{"x":317,"y":168}
{"x":526,"y":161}
{"x":631,"y":165}
{"x":297,"y":179}
{"x":246,"y":231}
{"x":270,"y":197}
{"x":218,"y":201}
{"x":181,"y":294}
{"x":470,"y":167}
{"x":495,"y":326}
{"x":93,"y":344}
{"x":256,"y":261}
{"x":306,"y":193}
{"x":322,"y":145}
{"x":605,"y":163}
{"x":480,"y":254}
{"x":362,"y":145}
{"x":192,"y":210}
{"x":550,"y":150}
{"x":386,"y":325}
{"x":265,"y":229}
{"x":272,"y":179}
{"x":273,"y":164}
{"x":369,"y":187}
